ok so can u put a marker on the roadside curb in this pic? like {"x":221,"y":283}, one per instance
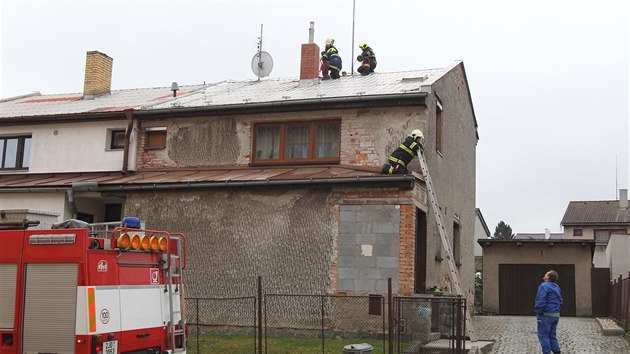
{"x":609,"y":327}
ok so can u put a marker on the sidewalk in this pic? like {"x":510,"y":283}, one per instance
{"x":517,"y":334}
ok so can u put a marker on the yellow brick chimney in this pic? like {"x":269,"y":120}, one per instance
{"x":98,"y":74}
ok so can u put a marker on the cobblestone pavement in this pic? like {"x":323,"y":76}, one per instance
{"x":517,"y":334}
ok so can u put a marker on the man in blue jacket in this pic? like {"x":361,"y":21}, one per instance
{"x":547,"y":307}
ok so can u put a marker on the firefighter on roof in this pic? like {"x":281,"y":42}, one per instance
{"x":399,"y":159}
{"x":331,"y":61}
{"x":367,"y":58}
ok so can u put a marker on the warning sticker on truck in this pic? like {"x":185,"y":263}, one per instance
{"x":110,"y":347}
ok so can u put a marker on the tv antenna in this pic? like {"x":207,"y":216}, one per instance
{"x":262,"y":63}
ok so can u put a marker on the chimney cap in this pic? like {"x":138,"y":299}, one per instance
{"x":174,"y":86}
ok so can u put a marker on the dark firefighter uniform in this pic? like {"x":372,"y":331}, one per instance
{"x":398,"y":160}
{"x":368,"y":60}
{"x":333,"y":60}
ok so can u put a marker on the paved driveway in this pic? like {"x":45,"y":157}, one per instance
{"x":517,"y":334}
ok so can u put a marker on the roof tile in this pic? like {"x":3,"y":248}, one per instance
{"x":595,"y":212}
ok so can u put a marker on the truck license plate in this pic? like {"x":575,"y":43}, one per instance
{"x":110,"y":347}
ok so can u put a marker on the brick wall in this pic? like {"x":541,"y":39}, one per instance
{"x":153,"y":158}
{"x":407,"y":249}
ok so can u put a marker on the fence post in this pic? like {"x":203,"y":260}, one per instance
{"x":461,"y":306}
{"x":323,"y":342}
{"x":197,"y":321}
{"x":260,"y":329}
{"x":390,"y":322}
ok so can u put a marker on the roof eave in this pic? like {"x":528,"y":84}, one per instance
{"x":61,"y":118}
{"x":346,"y":102}
{"x":404,"y":179}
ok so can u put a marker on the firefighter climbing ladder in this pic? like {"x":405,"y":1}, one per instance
{"x":173,"y":280}
{"x":445,"y":242}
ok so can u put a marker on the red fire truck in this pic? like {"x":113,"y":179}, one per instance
{"x":71,"y":290}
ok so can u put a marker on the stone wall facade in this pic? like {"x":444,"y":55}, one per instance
{"x":298,"y":237}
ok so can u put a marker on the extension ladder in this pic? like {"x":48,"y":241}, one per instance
{"x":445,"y":242}
{"x":173,"y":267}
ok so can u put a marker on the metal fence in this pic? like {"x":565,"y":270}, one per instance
{"x":620,"y":301}
{"x":222,"y":325}
{"x":323,"y":323}
{"x":429,"y":324}
{"x":294,"y":323}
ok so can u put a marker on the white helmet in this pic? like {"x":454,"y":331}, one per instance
{"x":416,"y":133}
{"x":329,"y":41}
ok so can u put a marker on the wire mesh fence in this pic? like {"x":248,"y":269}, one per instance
{"x":429,"y":324}
{"x":221,"y":325}
{"x":291,"y":323}
{"x":323,"y":323}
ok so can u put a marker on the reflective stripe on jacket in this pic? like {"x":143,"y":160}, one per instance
{"x":406,"y":151}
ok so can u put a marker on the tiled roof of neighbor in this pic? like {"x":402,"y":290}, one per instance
{"x":226,"y":93}
{"x":595,"y":212}
{"x":174,"y":178}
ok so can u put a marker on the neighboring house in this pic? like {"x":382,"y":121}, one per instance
{"x":599,"y":220}
{"x":482,"y":232}
{"x":71,"y":141}
{"x":513,"y":269}
{"x":278,"y":178}
{"x":617,"y":255}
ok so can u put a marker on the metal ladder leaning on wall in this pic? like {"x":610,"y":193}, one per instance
{"x":173,"y":280}
{"x":445,"y":242}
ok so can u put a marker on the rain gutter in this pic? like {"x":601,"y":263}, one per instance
{"x":93,"y":187}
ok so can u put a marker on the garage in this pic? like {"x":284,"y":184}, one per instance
{"x":513,"y":270}
{"x":518,"y":284}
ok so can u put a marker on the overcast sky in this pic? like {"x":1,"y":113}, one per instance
{"x":549,"y":79}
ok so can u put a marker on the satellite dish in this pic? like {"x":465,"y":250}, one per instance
{"x":262,"y":64}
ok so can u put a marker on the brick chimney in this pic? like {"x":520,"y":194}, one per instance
{"x":98,"y":74}
{"x":309,"y":67}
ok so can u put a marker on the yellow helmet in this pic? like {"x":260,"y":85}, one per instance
{"x":363,"y":45}
{"x":416,"y":133}
{"x":330,"y":41}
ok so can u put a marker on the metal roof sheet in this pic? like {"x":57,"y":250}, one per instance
{"x":226,"y":93}
{"x":73,"y":103}
{"x":250,"y":175}
{"x":538,"y":236}
{"x":595,"y":212}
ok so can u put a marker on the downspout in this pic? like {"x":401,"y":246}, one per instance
{"x":78,"y":186}
{"x":71,"y":202}
{"x":129,"y":114}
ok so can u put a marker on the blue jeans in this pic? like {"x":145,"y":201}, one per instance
{"x":547,"y":334}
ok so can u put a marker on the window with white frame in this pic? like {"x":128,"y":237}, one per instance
{"x":115,"y":139}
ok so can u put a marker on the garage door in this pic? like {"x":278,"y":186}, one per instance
{"x":518,"y":284}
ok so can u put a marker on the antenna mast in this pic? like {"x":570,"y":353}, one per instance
{"x":260,"y":48}
{"x":262,"y":63}
{"x":352,"y":65}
